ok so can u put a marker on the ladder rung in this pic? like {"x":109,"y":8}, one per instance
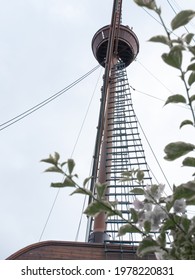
{"x":124,"y":186}
{"x":120,"y":152}
{"x":118,"y":178}
{"x":125,"y":134}
{"x":122,"y":128}
{"x":120,"y":122}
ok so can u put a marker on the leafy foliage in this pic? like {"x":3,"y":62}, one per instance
{"x":175,"y":222}
{"x":150,"y":4}
{"x":191,"y":78}
{"x":189,"y":161}
{"x":148,"y":245}
{"x":177,"y":98}
{"x":177,"y":149}
{"x":160,"y":39}
{"x":182,"y":19}
{"x":128,"y":228}
{"x":186,"y":122}
{"x":173,"y":58}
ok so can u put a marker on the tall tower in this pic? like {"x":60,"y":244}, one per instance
{"x":118,"y":146}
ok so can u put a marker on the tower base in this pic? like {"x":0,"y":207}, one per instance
{"x":98,"y":237}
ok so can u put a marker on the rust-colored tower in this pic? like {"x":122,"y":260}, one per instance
{"x":118,"y":145}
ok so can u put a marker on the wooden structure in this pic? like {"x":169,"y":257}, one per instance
{"x":62,"y":250}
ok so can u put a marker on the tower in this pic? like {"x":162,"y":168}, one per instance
{"x":118,"y":149}
{"x":118,"y":146}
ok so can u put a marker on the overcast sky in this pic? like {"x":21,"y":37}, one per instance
{"x":44,"y":46}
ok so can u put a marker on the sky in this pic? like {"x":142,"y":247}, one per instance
{"x":45,"y":45}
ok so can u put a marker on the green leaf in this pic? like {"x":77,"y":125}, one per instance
{"x":150,"y":4}
{"x":192,"y":98}
{"x":188,"y":38}
{"x":128,"y":229}
{"x":54,"y":169}
{"x":127,"y":173}
{"x":57,"y":185}
{"x":192,"y":49}
{"x":182,"y":18}
{"x":189,"y":161}
{"x":71,"y":165}
{"x":185,"y":223}
{"x":191,"y":78}
{"x":125,"y":179}
{"x":86,"y":181}
{"x":50,"y":160}
{"x":178,"y":47}
{"x":63,"y":163}
{"x":186,"y":191}
{"x":93,"y":209}
{"x":82,"y":191}
{"x":191,"y":67}
{"x":148,"y":245}
{"x":101,"y":190}
{"x":97,"y":207}
{"x":169,"y":205}
{"x":140,"y":175}
{"x":114,"y":203}
{"x":162,"y":239}
{"x":160,"y":39}
{"x":169,"y":224}
{"x":190,"y":201}
{"x":56,"y":156}
{"x":177,"y":149}
{"x":113,"y":213}
{"x":176,"y":98}
{"x":147,"y":226}
{"x":138,"y":191}
{"x":68,"y":182}
{"x":173,"y":58}
{"x":186,"y":122}
{"x":134,"y":215}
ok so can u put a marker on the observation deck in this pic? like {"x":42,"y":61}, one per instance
{"x":128,"y":45}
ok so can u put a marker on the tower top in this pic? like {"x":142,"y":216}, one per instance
{"x":127,"y":45}
{"x":115,"y":41}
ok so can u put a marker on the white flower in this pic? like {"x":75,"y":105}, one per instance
{"x":154,"y":192}
{"x":158,"y":210}
{"x":155,"y":217}
{"x":161,"y":188}
{"x":138,"y":204}
{"x":152,"y":218}
{"x":192,"y":225}
{"x":179,"y":205}
{"x":141,"y":218}
{"x":148,"y":206}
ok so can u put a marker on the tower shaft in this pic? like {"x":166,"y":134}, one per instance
{"x":100,"y":157}
{"x":118,"y":145}
{"x":121,"y":151}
